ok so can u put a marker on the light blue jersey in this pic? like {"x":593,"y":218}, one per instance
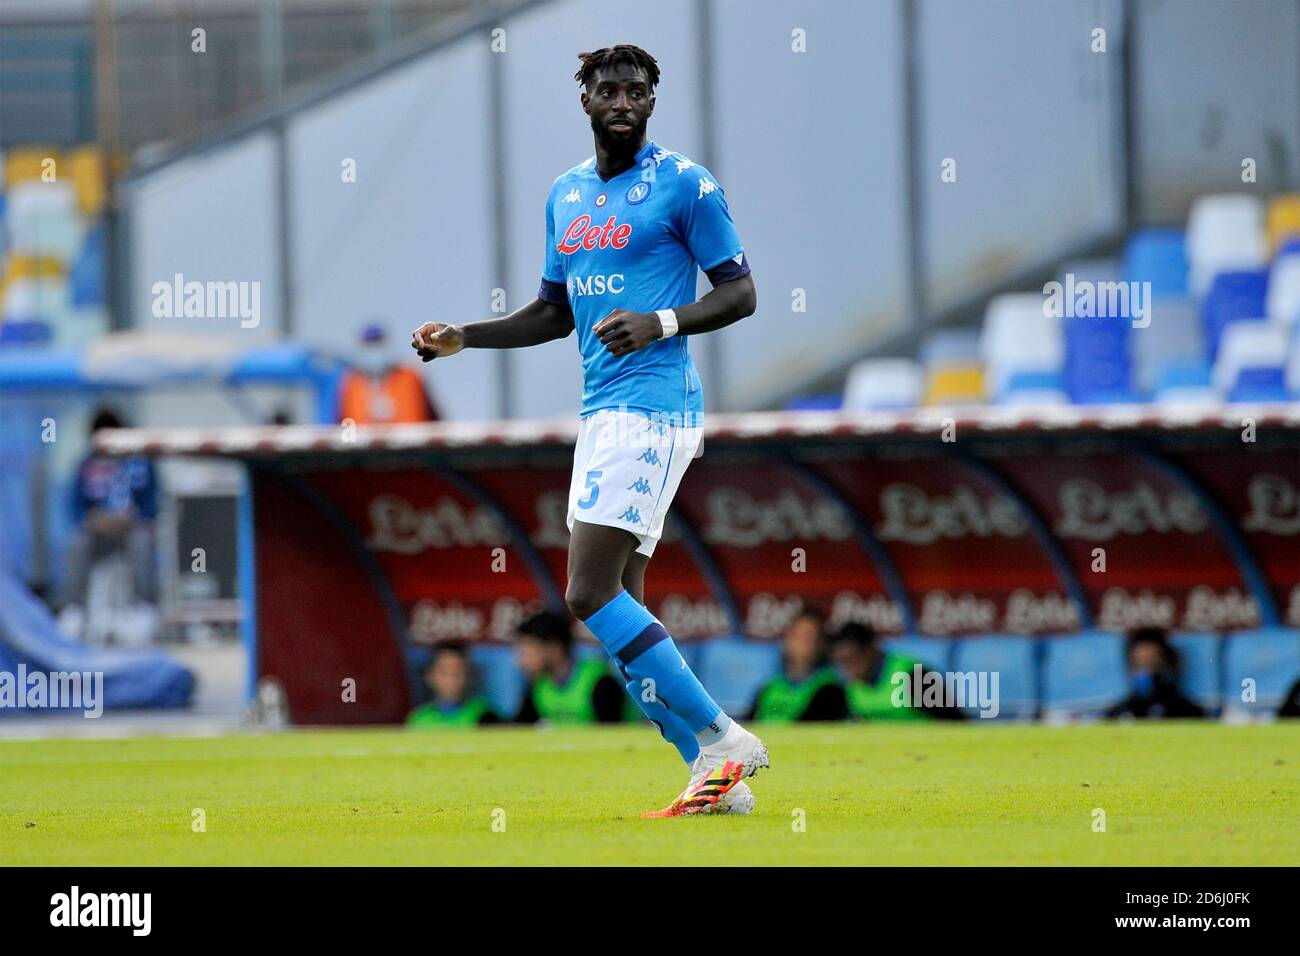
{"x":634,"y":242}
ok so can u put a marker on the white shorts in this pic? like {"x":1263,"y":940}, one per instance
{"x":626,"y":469}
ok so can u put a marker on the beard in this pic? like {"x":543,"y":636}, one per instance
{"x":620,"y":144}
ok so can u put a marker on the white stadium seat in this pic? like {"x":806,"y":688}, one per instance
{"x":1019,"y":336}
{"x":883,"y":383}
{"x":1225,"y":233}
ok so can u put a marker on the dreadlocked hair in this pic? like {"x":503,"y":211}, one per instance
{"x":610,"y":55}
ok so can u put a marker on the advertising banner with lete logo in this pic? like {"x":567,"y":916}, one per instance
{"x":365,"y":552}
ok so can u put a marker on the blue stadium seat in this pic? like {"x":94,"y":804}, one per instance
{"x":22,"y":334}
{"x":1199,"y":662}
{"x":814,"y":403}
{"x":734,"y":668}
{"x":933,"y":652}
{"x":1233,"y":297}
{"x":1084,"y":673}
{"x":1034,"y":387}
{"x":1271,"y":657}
{"x":1015,"y":660}
{"x":499,"y":680}
{"x":89,"y":270}
{"x":1098,"y":367}
{"x":1259,"y":385}
{"x":1158,"y":256}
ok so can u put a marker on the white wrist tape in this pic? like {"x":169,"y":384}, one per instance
{"x":668,"y":318}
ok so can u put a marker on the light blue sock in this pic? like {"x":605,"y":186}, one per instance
{"x":645,"y":651}
{"x":672,"y":727}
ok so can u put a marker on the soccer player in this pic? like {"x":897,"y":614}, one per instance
{"x":625,"y":232}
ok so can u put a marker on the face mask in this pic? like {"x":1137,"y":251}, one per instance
{"x":372,"y":361}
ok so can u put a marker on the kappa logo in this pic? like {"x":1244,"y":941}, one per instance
{"x":632,"y":515}
{"x":649,"y":456}
{"x":640,"y":486}
{"x":683,"y":164}
{"x":706,"y":186}
{"x":572,"y":196}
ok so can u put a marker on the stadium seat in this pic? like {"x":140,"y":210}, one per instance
{"x":1015,"y":660}
{"x":1270,"y":657}
{"x":933,"y":652}
{"x":1282,"y":300}
{"x":26,"y":164}
{"x":86,"y":170}
{"x":955,"y":385}
{"x":42,"y":220}
{"x":1083,"y":673}
{"x":1019,"y":336}
{"x":814,"y":403}
{"x":1097,"y":364}
{"x":1283,"y":220}
{"x":1034,"y":388}
{"x":1200,"y":659}
{"x":1225,"y":233}
{"x":36,"y":300}
{"x":1250,"y":346}
{"x":884,"y":383}
{"x":1158,"y":256}
{"x":735,"y":668}
{"x":1186,"y":383}
{"x":89,"y":270}
{"x":1234,"y":297}
{"x":499,"y":679}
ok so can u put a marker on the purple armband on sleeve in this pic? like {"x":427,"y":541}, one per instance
{"x":552,"y":292}
{"x":728,"y":270}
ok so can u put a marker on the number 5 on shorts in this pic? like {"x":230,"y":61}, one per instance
{"x":593,"y":488}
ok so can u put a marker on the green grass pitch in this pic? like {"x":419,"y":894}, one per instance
{"x":1186,"y":794}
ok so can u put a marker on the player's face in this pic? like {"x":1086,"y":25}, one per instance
{"x":803,"y":643}
{"x":850,"y":659}
{"x":619,"y":103}
{"x":449,"y":678}
{"x":530,"y":656}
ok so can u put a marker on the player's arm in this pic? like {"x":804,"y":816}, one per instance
{"x":622,"y":331}
{"x":537,"y":322}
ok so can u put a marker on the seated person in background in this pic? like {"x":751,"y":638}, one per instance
{"x":115,"y":504}
{"x":1153,"y":679}
{"x":869,"y":678}
{"x":563,"y":689}
{"x":807,"y":687}
{"x":448,"y":676}
{"x":378,"y":391}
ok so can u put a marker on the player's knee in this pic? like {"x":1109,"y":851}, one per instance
{"x":584,"y":601}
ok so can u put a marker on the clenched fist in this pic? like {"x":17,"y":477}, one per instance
{"x":622,"y":332}
{"x":437,"y":340}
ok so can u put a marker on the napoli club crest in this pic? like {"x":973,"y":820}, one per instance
{"x":638,"y":193}
{"x":600,"y":200}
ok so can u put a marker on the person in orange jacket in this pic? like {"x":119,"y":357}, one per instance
{"x":377,"y":391}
